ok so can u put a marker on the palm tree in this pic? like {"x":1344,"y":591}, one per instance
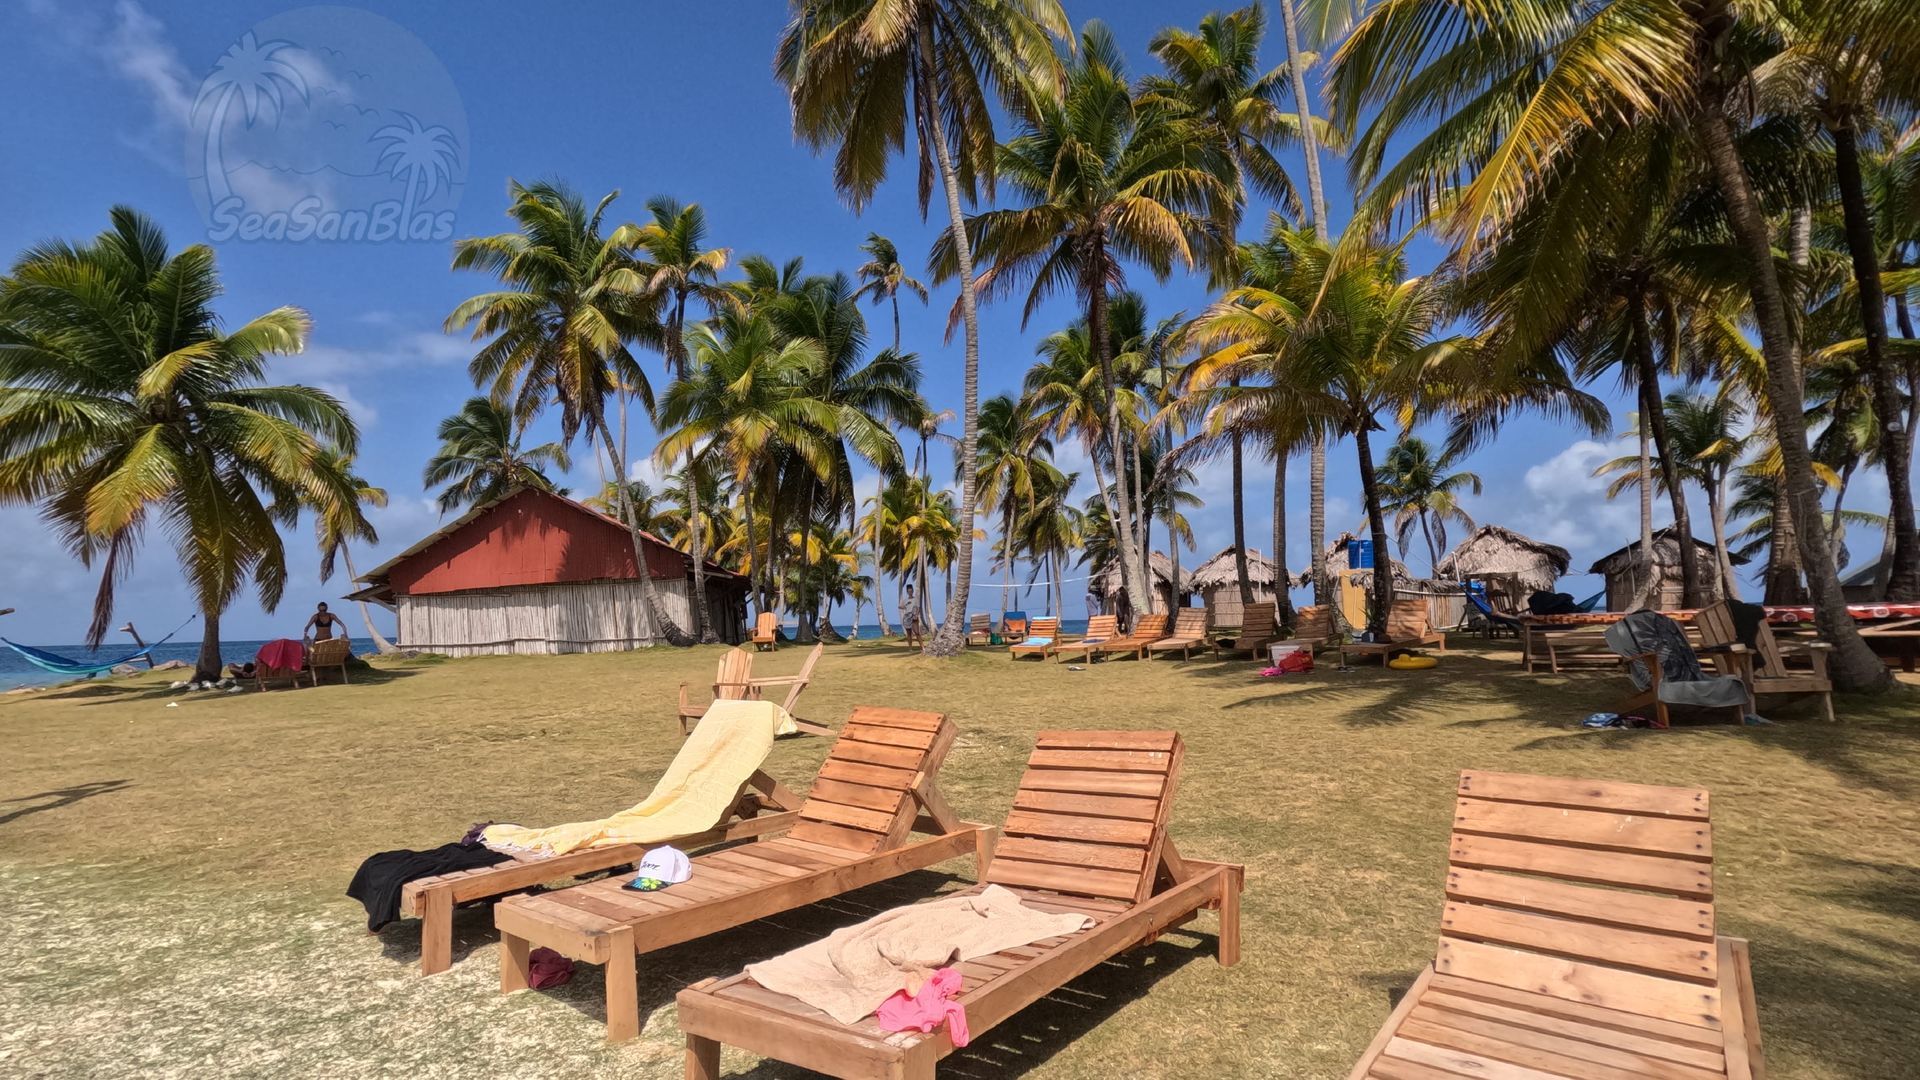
{"x":1706,"y":445}
{"x":558,"y":332}
{"x":639,"y":495}
{"x":1011,"y":453}
{"x":1049,"y":528}
{"x":340,"y":516}
{"x":1106,"y":180}
{"x":857,"y":70}
{"x":480,"y":458}
{"x":882,"y":277}
{"x":1419,"y":490}
{"x":123,"y":404}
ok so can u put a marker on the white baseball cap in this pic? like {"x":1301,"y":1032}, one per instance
{"x":661,"y":867}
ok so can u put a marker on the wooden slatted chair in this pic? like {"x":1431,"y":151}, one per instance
{"x":1041,"y":639}
{"x":1148,"y":629}
{"x":796,"y":685}
{"x":332,"y":653}
{"x":1088,"y":834}
{"x":1312,"y":628}
{"x":1102,"y":630}
{"x":1257,"y":631}
{"x":980,"y":629}
{"x":1013,"y":626}
{"x":875,"y":788}
{"x":731,"y":681}
{"x":766,"y":632}
{"x":1189,"y":633}
{"x":1764,"y":668}
{"x":1409,"y":626}
{"x":1577,"y":941}
{"x":762,"y":805}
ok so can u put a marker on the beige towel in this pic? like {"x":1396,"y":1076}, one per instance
{"x":855,"y":969}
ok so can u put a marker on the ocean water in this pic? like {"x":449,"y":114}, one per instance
{"x":15,"y":671}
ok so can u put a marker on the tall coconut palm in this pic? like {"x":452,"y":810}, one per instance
{"x":1419,"y":490}
{"x":882,"y":277}
{"x":1012,"y":452}
{"x":558,"y":332}
{"x":1707,"y":444}
{"x":1106,"y":181}
{"x":339,"y":516}
{"x":124,"y":404}
{"x":858,"y":70}
{"x":480,"y":457}
{"x":1048,"y":529}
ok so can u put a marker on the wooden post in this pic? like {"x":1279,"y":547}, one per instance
{"x":436,"y":931}
{"x":515,"y":968}
{"x":127,"y":629}
{"x":1229,"y":942}
{"x":703,"y":1058}
{"x":623,"y":988}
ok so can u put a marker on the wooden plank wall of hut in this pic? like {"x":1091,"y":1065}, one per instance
{"x":601,"y":616}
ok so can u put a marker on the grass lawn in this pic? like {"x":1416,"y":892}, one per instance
{"x":173,"y":876}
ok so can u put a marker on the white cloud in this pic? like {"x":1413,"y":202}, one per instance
{"x":1569,"y":505}
{"x":130,"y":43}
{"x":415,"y":349}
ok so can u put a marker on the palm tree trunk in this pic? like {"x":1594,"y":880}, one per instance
{"x":753,"y":547}
{"x":879,"y":589}
{"x":1782,"y":582}
{"x":1854,"y":666}
{"x":1648,"y":593}
{"x":1717,"y":510}
{"x":1143,"y":520}
{"x":1836,"y":533}
{"x":1377,"y":526}
{"x":380,"y":643}
{"x":1317,"y":530}
{"x":1239,"y":522}
{"x":1656,"y":421}
{"x":702,"y":624}
{"x":1281,"y":593}
{"x":1309,"y":139}
{"x":1006,"y":557}
{"x":1433,"y":552}
{"x":1132,"y":580}
{"x":663,"y":625}
{"x":895,"y":297}
{"x":951,"y":639}
{"x":1903,"y":583}
{"x":207,"y":666}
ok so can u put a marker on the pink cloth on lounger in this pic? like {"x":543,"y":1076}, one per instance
{"x":926,"y":1010}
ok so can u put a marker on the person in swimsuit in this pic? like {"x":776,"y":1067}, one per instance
{"x":321,"y":626}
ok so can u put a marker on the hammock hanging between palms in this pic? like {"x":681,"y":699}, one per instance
{"x":60,"y":665}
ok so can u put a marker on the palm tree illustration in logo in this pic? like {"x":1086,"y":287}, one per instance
{"x":425,"y":156}
{"x":253,"y":73}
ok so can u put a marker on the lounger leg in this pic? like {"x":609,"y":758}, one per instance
{"x":623,"y":989}
{"x":515,"y":969}
{"x":703,"y":1058}
{"x":1229,"y":941}
{"x":436,"y":931}
{"x":983,"y":842}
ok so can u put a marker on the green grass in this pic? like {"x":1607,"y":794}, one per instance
{"x":172,"y":876}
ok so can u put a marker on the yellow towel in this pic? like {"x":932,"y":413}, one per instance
{"x":692,"y":796}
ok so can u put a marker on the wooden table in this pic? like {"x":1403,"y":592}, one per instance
{"x":1900,"y":637}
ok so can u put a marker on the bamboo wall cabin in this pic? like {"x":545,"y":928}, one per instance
{"x":1512,"y":566}
{"x":1106,"y":588}
{"x":1218,"y":584}
{"x":534,"y":572}
{"x":1622,"y":571}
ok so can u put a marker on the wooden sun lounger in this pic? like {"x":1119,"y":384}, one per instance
{"x":1563,"y":972}
{"x":1408,"y":627}
{"x":1087,"y":833}
{"x":876,"y":787}
{"x":1151,"y":628}
{"x":766,"y":632}
{"x":1100,"y":628}
{"x":1764,"y":669}
{"x":1312,"y":629}
{"x":1189,"y":633}
{"x":1046,"y":627}
{"x":980,"y":629}
{"x":1257,"y":631}
{"x":763,"y":805}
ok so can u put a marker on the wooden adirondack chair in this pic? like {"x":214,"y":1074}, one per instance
{"x":1577,"y":941}
{"x":766,"y":632}
{"x":876,"y":787}
{"x":1100,"y":630}
{"x":980,"y":629}
{"x":1257,"y":631}
{"x":1409,"y":626}
{"x":1042,"y":637}
{"x":1189,"y":633}
{"x":731,"y":681}
{"x":1764,"y":668}
{"x":1087,"y":833}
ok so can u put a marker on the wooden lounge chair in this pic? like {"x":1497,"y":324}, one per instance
{"x":1087,"y":833}
{"x":1764,"y":668}
{"x":1100,"y":630}
{"x":1408,"y":627}
{"x":1150,"y":628}
{"x":763,"y":805}
{"x":1189,"y":633}
{"x":1564,"y":972}
{"x":731,"y":681}
{"x":333,"y":654}
{"x":264,"y":673}
{"x":1312,"y":628}
{"x":876,"y":786}
{"x":980,"y":629}
{"x":1257,"y":631}
{"x":1043,"y":636}
{"x":766,"y":632}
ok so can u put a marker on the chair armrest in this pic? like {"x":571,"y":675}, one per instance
{"x":1804,"y":646}
{"x":1730,"y":647}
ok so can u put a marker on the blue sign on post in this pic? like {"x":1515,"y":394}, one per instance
{"x":1359,"y":554}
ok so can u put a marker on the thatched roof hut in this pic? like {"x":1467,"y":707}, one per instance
{"x":1622,"y":570}
{"x":1499,"y":556}
{"x":1106,"y":583}
{"x":1218,"y":584}
{"x":1337,"y":561}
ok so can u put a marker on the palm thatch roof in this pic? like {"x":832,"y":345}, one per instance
{"x":1106,"y":582}
{"x":1666,"y":554}
{"x":1337,"y":560}
{"x":1496,"y":549}
{"x":1219,"y":570}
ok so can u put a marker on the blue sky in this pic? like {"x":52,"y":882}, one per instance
{"x":650,"y":99}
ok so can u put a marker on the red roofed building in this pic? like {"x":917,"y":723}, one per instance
{"x":536,"y":572}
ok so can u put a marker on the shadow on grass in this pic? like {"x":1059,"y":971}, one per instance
{"x":59,"y":797}
{"x":143,"y":691}
{"x":1885,"y":887}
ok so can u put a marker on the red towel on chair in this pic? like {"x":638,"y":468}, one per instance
{"x":285,"y":654}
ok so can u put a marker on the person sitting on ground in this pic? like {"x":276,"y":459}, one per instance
{"x":321,"y":626}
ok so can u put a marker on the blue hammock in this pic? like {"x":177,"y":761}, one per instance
{"x":60,"y":665}
{"x":1592,"y":602}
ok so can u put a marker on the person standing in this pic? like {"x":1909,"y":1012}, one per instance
{"x":322,"y":625}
